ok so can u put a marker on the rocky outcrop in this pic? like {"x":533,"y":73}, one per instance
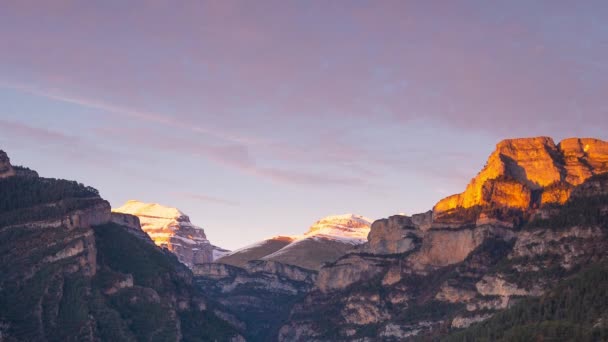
{"x":260,"y":295}
{"x":131,"y":224}
{"x":465,"y":321}
{"x":479,"y":253}
{"x":423,"y":221}
{"x":72,"y":271}
{"x":583,"y":158}
{"x":220,"y":271}
{"x":6,"y":169}
{"x":520,"y":166}
{"x":594,"y":186}
{"x":97,"y":214}
{"x":349,"y":270}
{"x":497,"y":286}
{"x":397,"y":234}
{"x":170,"y":228}
{"x":363,"y":310}
{"x":568,"y":247}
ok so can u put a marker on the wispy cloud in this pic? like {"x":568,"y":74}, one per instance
{"x":206,"y":198}
{"x":41,"y":135}
{"x":234,"y":156}
{"x":145,"y":116}
{"x":70,"y":147}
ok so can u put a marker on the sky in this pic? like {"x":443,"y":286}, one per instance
{"x":257,"y":118}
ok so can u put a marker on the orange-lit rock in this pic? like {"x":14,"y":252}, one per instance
{"x":557,"y":193}
{"x":520,"y":166}
{"x":583,"y":158}
{"x":507,"y":193}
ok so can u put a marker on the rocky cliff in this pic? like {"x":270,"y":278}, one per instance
{"x":70,"y":271}
{"x":523,"y":173}
{"x":260,"y":283}
{"x":170,"y":228}
{"x":259,"y":295}
{"x":476,"y":254}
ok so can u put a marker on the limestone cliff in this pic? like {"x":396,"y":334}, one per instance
{"x":260,"y":295}
{"x":520,"y":167}
{"x":476,"y":254}
{"x":72,"y":271}
{"x":172,"y":229}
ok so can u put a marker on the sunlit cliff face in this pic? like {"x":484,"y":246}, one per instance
{"x":171,"y":229}
{"x":519,"y":167}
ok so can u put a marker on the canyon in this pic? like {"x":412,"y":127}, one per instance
{"x":534,"y":217}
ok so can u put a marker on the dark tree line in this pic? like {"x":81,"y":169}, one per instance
{"x":24,"y":199}
{"x":576,"y":310}
{"x":24,"y":192}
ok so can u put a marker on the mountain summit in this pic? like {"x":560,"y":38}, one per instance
{"x":325,"y":241}
{"x":529,"y":172}
{"x":536,"y":214}
{"x":170,"y":228}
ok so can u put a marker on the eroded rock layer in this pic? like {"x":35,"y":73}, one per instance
{"x":170,"y":228}
{"x":72,"y":271}
{"x":519,"y":167}
{"x":476,"y":254}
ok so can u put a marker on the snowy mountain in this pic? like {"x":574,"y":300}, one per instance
{"x":170,"y":228}
{"x":325,"y":241}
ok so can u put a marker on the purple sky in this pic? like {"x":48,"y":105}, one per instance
{"x":259,"y":117}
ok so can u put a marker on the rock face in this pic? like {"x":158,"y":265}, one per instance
{"x":260,"y":295}
{"x":260,"y":283}
{"x":70,"y":271}
{"x":131,"y":222}
{"x":6,"y":169}
{"x":170,"y":228}
{"x":520,"y":166}
{"x":394,"y":235}
{"x":476,"y":254}
{"x":325,"y":241}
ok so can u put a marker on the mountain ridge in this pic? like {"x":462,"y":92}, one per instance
{"x":324,"y":241}
{"x":527,"y":165}
{"x":170,"y":228}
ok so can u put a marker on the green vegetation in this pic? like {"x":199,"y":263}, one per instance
{"x":157,"y":276}
{"x":27,"y":199}
{"x":24,"y":192}
{"x":579,"y":211}
{"x":576,"y":310}
{"x":49,"y":298}
{"x":125,"y":253}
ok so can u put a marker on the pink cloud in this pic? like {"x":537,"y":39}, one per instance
{"x":205,"y":198}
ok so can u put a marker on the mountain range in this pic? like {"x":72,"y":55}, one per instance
{"x":520,"y":254}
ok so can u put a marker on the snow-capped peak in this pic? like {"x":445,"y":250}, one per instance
{"x":170,"y":228}
{"x":348,"y":228}
{"x":155,"y":210}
